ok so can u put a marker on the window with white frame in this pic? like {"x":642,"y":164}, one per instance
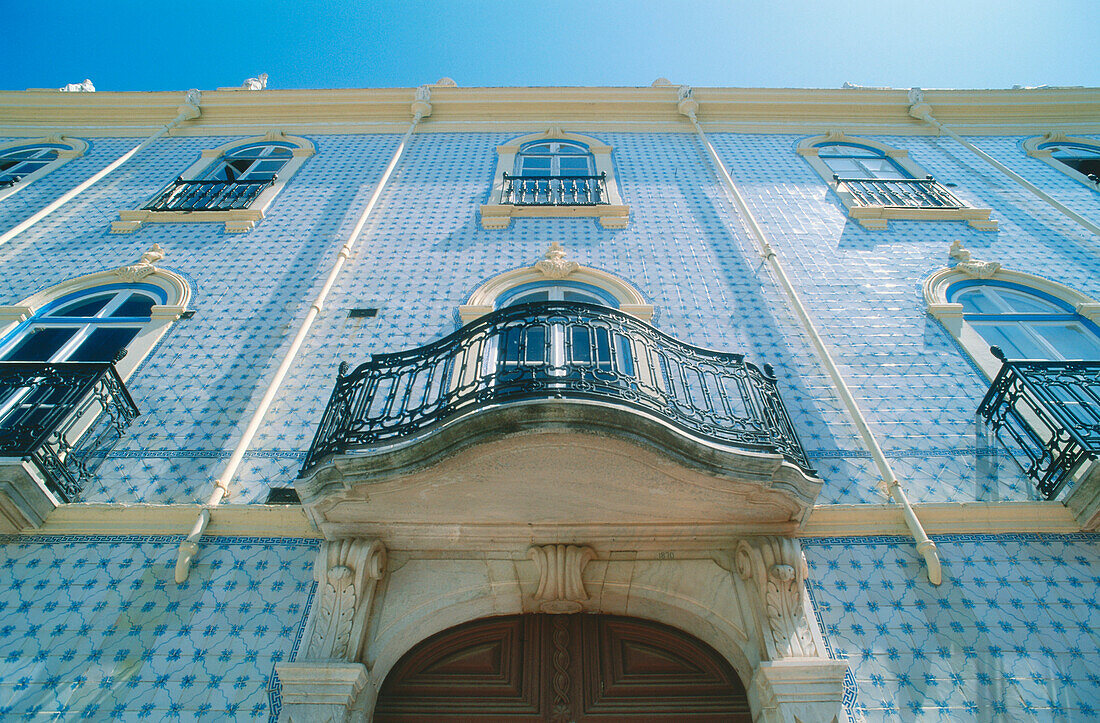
{"x":1025,"y":323}
{"x":22,"y":162}
{"x":95,"y":325}
{"x":554,"y":174}
{"x":876,"y":182}
{"x":234,"y":184}
{"x":1078,"y":158}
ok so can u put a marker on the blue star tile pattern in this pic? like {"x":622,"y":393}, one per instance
{"x":1011,"y":631}
{"x":96,"y":627}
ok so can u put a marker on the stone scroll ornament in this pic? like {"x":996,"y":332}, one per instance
{"x":775,"y":572}
{"x":347,"y":573}
{"x":561,"y":589}
{"x":144,"y":267}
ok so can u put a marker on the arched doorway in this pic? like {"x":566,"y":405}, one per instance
{"x":562,"y":668}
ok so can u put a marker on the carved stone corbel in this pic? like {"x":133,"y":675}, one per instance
{"x":775,"y":572}
{"x":561,"y":589}
{"x":347,"y":573}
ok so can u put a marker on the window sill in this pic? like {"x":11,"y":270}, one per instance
{"x":498,"y":216}
{"x":236,"y":221}
{"x":875,"y":217}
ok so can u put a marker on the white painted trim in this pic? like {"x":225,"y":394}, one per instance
{"x":238,"y":220}
{"x":875,"y":217}
{"x":613,"y":214}
{"x":1031,"y":145}
{"x":942,"y":518}
{"x":951,"y":315}
{"x":76,"y":149}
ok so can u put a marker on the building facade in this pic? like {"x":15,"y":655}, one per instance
{"x":658,"y":403}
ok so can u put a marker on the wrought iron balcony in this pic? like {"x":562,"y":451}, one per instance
{"x":898,"y":193}
{"x":64,"y":417}
{"x":558,"y":350}
{"x":208,"y":195}
{"x":1047,"y":415}
{"x":554,"y":190}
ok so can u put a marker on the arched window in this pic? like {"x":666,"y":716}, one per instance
{"x":877,"y":182}
{"x":1027,"y":316}
{"x":15,"y":163}
{"x":555,"y":158}
{"x":95,"y":325}
{"x":849,"y":160}
{"x":234,"y":184}
{"x":22,"y":162}
{"x":1025,"y":323}
{"x":1078,"y":158}
{"x":554,"y":174}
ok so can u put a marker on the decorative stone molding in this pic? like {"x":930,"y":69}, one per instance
{"x":85,"y":87}
{"x":421,"y":105}
{"x":497,"y":215}
{"x":775,"y":572}
{"x":144,"y":267}
{"x":554,"y":265}
{"x":1033,"y":147}
{"x":347,"y":572}
{"x":321,"y":692}
{"x":973,"y":267}
{"x":798,"y":691}
{"x":876,"y":217}
{"x":561,"y":589}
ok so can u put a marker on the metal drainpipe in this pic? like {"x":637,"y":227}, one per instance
{"x":925,"y":547}
{"x":421,"y":108}
{"x":188,"y":111}
{"x":922,"y":111}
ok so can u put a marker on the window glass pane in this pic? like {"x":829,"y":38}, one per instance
{"x":834,"y":149}
{"x":83,"y":307}
{"x":266,"y":169}
{"x":881,"y":168}
{"x":574,"y":295}
{"x":1022,"y":303}
{"x":535,"y":351}
{"x":580,"y":340}
{"x":137,"y":305}
{"x":574,"y":166}
{"x":530,"y":296}
{"x":535,"y":166}
{"x":537,"y":148}
{"x":103,"y":344}
{"x":1013,"y":339}
{"x":976,"y":301}
{"x":40,"y":344}
{"x":569,"y":148}
{"x":844,"y":166}
{"x":1070,"y":339}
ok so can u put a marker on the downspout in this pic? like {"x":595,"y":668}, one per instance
{"x":421,"y":108}
{"x":922,"y":111}
{"x":925,"y":547}
{"x":188,"y":111}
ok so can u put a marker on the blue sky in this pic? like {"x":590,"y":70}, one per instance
{"x":128,"y":45}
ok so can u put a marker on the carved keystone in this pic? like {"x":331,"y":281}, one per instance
{"x":775,"y":572}
{"x":347,"y":573}
{"x":561,"y":589}
{"x":553,"y":264}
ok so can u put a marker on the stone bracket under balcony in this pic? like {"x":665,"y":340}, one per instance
{"x":557,"y":414}
{"x":556,"y":463}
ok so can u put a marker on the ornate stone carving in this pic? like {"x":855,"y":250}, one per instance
{"x":775,"y":573}
{"x":979,"y":269}
{"x":347,"y":573}
{"x":421,"y":105}
{"x":561,"y":589}
{"x":85,"y":87}
{"x":446,"y":83}
{"x":257,"y":83}
{"x":916,"y":95}
{"x":686,"y":103}
{"x":553,"y":264}
{"x":144,"y":267}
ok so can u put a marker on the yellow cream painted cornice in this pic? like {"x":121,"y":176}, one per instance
{"x":387,"y":110}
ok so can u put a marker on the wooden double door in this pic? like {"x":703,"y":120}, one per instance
{"x":562,"y":668}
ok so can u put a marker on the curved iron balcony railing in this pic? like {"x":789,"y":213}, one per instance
{"x":554,"y":190}
{"x":64,"y":417}
{"x":1046,"y":414}
{"x":558,"y":350}
{"x":898,"y":192}
{"x":184,"y":195}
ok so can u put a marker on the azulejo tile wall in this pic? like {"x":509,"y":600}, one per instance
{"x":96,"y":627}
{"x":1013,"y":633}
